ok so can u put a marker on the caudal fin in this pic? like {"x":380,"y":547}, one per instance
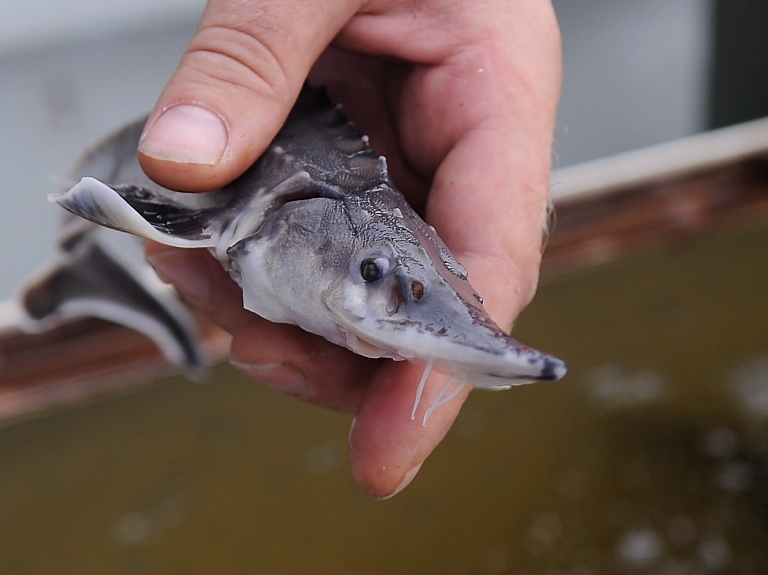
{"x":86,"y":280}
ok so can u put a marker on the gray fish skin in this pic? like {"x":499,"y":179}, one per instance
{"x":316,"y":235}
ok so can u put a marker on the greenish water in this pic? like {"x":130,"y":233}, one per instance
{"x":650,"y":457}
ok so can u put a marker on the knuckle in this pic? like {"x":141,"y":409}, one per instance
{"x":237,"y":59}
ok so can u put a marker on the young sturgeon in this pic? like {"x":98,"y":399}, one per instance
{"x":316,"y":235}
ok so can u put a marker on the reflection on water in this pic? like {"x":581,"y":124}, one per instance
{"x":651,"y":457}
{"x":613,"y":387}
{"x":748,"y":385}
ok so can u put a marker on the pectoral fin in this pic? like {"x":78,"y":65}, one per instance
{"x":143,"y":212}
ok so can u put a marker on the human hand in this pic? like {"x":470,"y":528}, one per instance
{"x":460,"y":96}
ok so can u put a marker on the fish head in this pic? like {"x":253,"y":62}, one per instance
{"x":405,"y":296}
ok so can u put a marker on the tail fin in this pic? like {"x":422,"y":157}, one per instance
{"x":86,"y":280}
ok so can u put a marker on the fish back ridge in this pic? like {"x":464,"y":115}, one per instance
{"x":318,"y":139}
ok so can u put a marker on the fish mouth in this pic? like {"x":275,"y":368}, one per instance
{"x":512,"y":372}
{"x":543,"y":368}
{"x":362,"y":346}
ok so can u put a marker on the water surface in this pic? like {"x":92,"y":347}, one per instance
{"x":650,"y":457}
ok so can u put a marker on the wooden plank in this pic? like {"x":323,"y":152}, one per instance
{"x":80,"y":361}
{"x":603,"y":227}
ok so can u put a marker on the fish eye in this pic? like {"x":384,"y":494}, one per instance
{"x":373,"y":269}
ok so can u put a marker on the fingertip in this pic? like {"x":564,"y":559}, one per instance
{"x":205,"y":131}
{"x":409,"y":476}
{"x":387,"y":446}
{"x":233,"y":89}
{"x":189,"y":148}
{"x":182,"y":147}
{"x":185,"y":134}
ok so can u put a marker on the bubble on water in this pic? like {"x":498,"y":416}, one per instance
{"x":142,"y":526}
{"x":544,"y":531}
{"x":748,"y":385}
{"x":133,"y":528}
{"x":715,"y":552}
{"x":640,"y":548}
{"x":735,"y":477}
{"x":614,"y":387}
{"x":682,"y":530}
{"x":721,"y":442}
{"x":323,"y":458}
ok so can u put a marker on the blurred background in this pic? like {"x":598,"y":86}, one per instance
{"x":652,"y":456}
{"x":636,"y":73}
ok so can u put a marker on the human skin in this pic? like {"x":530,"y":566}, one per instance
{"x":460,"y":96}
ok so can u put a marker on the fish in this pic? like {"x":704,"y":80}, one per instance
{"x":317,"y":235}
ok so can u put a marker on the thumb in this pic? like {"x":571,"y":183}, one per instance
{"x":235,"y":85}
